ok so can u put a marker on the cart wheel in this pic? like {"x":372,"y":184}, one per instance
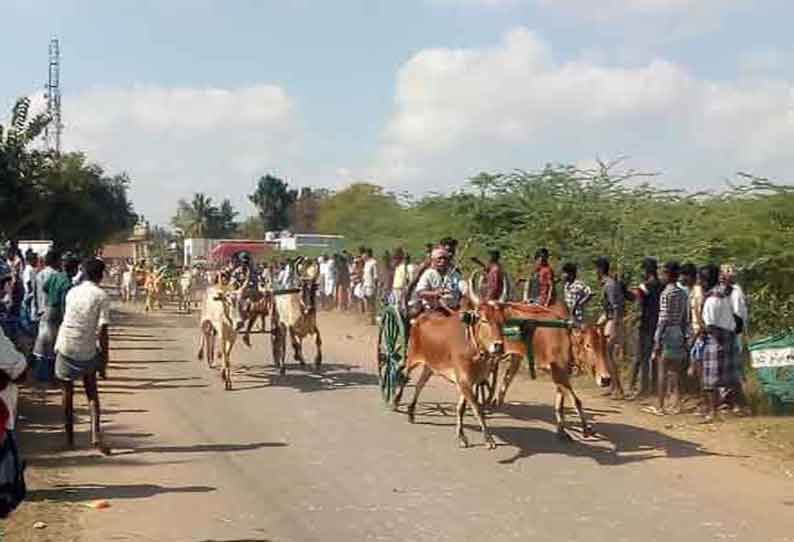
{"x":391,"y":352}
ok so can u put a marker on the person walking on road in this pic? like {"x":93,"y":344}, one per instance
{"x":86,"y":319}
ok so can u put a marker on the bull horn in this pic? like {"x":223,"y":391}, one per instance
{"x":473,"y":295}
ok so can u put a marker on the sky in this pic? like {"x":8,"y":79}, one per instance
{"x":414,"y":95}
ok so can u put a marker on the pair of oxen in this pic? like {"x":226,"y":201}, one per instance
{"x":467,"y":348}
{"x":293,"y":314}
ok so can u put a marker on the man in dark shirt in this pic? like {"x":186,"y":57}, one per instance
{"x":647,"y":295}
{"x":494,"y":277}
{"x":540,"y":286}
{"x":612,"y":321}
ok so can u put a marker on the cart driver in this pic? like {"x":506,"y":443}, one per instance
{"x":441,"y":287}
{"x":245,"y":275}
{"x":245,"y":278}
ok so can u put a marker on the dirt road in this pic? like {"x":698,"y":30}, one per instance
{"x":317,"y":457}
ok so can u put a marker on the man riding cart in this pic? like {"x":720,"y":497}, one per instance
{"x":245,"y":278}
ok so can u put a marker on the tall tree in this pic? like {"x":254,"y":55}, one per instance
{"x":195,"y":218}
{"x":273,"y":199}
{"x":306,"y":209}
{"x":22,"y":170}
{"x":79,"y":205}
{"x":224,"y":222}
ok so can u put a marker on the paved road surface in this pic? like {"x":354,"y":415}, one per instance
{"x":316,"y":457}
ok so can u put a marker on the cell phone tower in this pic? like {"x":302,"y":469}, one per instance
{"x":52,"y":134}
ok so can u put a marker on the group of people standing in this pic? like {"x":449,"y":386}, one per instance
{"x":348,"y":281}
{"x":690,"y":322}
{"x":54,"y":320}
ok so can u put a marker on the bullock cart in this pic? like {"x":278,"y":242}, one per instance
{"x":393,"y":344}
{"x":524,"y":330}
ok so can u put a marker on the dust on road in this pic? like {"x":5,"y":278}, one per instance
{"x":317,"y":457}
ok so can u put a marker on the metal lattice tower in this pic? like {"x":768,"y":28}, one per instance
{"x":53,"y":95}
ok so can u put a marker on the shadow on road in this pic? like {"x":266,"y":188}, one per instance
{"x":200,"y":448}
{"x":614,"y":443}
{"x":149,"y":383}
{"x":331,"y":376}
{"x":78,"y":493}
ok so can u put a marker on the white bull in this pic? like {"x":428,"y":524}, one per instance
{"x":220,"y":318}
{"x":297,"y":315}
{"x":129,"y":286}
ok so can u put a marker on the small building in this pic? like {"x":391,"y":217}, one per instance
{"x":298,"y":241}
{"x":137,"y":246}
{"x":118,"y":252}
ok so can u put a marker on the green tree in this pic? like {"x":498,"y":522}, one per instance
{"x":273,"y":199}
{"x":224,"y":223}
{"x":22,"y":170}
{"x":202,"y":218}
{"x":78,"y":206}
{"x":195,"y":218}
{"x":306,"y":209}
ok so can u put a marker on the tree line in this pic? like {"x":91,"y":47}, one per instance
{"x":64,"y":198}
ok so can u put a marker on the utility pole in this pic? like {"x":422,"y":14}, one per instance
{"x":52,"y":134}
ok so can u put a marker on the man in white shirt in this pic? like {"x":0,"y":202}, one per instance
{"x":719,"y":360}
{"x":329,"y":281}
{"x":29,"y":284}
{"x":440,"y":286}
{"x":733,"y":396}
{"x":86,"y":319}
{"x":369,"y":284}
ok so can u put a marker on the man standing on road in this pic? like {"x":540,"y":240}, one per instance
{"x":647,"y":295}
{"x":733,"y":396}
{"x":86,"y":318}
{"x":669,"y":341}
{"x":369,"y":284}
{"x":401,"y":279}
{"x":29,"y":317}
{"x":494,"y":277}
{"x":540,"y":286}
{"x":48,"y":326}
{"x":577,"y":293}
{"x":612,"y":320}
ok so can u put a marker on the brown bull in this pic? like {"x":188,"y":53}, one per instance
{"x":552,"y":350}
{"x":447,"y":346}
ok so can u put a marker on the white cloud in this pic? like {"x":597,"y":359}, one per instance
{"x":176,"y":141}
{"x":459,"y":111}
